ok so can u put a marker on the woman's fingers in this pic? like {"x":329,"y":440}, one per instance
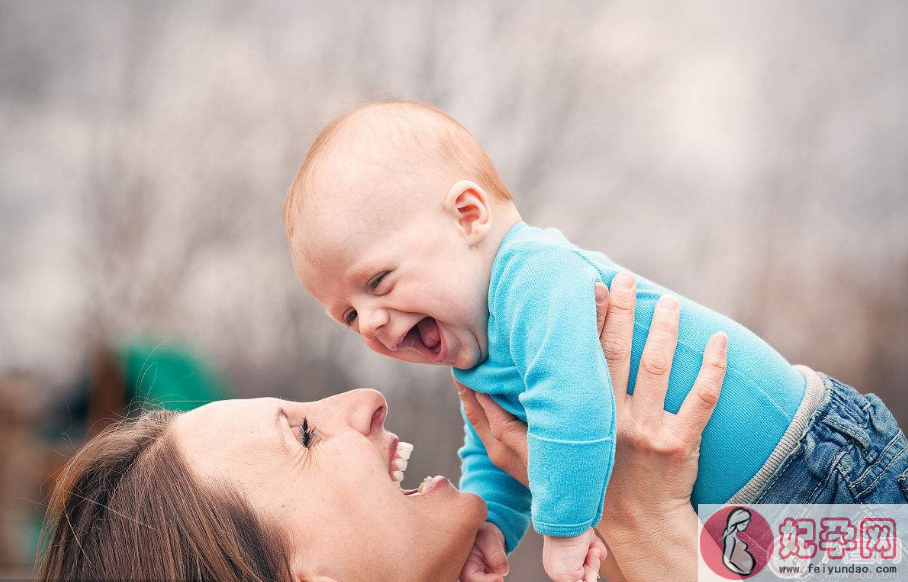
{"x":473,"y":410}
{"x":618,"y":335}
{"x":601,"y":293}
{"x":656,"y":362}
{"x":510,"y":432}
{"x":504,"y":436}
{"x":699,"y":404}
{"x":505,"y":427}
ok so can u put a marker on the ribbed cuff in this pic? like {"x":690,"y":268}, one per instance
{"x":568,"y":482}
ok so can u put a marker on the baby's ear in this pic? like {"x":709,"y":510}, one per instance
{"x":469,"y":204}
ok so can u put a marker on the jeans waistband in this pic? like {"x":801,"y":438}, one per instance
{"x":813,"y":396}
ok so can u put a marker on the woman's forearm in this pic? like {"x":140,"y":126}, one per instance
{"x":663,"y":548}
{"x":654,"y":547}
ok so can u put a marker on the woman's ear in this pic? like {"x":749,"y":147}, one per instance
{"x":305,"y":573}
{"x":300,"y":577}
{"x":467,"y":203}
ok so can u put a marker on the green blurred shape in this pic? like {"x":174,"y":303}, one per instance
{"x":168,"y":375}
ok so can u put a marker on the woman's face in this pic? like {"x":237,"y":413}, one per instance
{"x":343,"y":515}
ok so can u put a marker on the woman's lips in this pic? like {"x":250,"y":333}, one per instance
{"x":428,"y":485}
{"x":392,"y":451}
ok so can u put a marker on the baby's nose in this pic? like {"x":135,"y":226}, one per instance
{"x":371,"y":323}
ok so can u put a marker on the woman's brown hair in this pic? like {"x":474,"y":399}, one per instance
{"x":127,"y":507}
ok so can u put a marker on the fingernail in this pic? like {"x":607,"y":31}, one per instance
{"x":623,"y":281}
{"x":600,"y":295}
{"x":721,"y":340}
{"x":668,"y":302}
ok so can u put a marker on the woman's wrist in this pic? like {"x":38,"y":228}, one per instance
{"x":651,"y":545}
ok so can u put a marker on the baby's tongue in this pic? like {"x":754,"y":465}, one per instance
{"x":428,"y":331}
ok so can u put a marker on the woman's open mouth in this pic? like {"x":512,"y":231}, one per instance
{"x":426,"y":338}
{"x":399,"y":460}
{"x":428,"y":485}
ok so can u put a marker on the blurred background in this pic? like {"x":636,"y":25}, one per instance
{"x":751,"y":156}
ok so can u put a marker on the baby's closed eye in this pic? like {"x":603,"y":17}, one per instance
{"x":376,"y":281}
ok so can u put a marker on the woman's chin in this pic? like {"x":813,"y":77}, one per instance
{"x":458,"y":517}
{"x":447,"y":503}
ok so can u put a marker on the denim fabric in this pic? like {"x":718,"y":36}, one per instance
{"x":852,"y":451}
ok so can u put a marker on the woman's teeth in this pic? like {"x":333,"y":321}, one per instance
{"x":401,"y":455}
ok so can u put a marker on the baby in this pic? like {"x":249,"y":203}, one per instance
{"x":400,"y":225}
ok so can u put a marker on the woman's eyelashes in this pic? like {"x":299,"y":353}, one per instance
{"x":308,"y":435}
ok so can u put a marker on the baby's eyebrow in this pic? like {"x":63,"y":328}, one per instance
{"x":360,"y":273}
{"x":339,"y":320}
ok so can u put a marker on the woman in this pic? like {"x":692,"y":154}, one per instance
{"x":268,"y":489}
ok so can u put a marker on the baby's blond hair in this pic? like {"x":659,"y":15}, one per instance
{"x":430,"y":136}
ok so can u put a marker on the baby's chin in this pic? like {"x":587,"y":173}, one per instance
{"x":467,"y":359}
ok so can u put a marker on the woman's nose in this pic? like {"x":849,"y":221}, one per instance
{"x":367,"y":410}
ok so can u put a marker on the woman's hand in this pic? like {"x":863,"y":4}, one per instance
{"x":657,"y":452}
{"x":656,"y":449}
{"x":648,"y":521}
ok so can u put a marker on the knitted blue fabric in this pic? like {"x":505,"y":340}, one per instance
{"x":546,"y":367}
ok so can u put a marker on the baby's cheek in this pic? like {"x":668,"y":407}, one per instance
{"x":378,"y":347}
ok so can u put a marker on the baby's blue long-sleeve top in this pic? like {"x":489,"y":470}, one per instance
{"x":545,"y":365}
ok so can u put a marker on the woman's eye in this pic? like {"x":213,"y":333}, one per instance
{"x":307,"y":434}
{"x":350,"y":317}
{"x":374,"y":283}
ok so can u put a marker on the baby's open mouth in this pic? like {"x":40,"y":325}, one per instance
{"x":426,"y":338}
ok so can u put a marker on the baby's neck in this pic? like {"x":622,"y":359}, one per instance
{"x":505,"y":217}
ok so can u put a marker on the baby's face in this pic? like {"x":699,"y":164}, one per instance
{"x":397,"y":272}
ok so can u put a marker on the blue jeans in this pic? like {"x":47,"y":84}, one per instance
{"x":852,"y":451}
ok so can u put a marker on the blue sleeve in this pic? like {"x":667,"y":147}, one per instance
{"x":507,"y":500}
{"x":545,"y":302}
